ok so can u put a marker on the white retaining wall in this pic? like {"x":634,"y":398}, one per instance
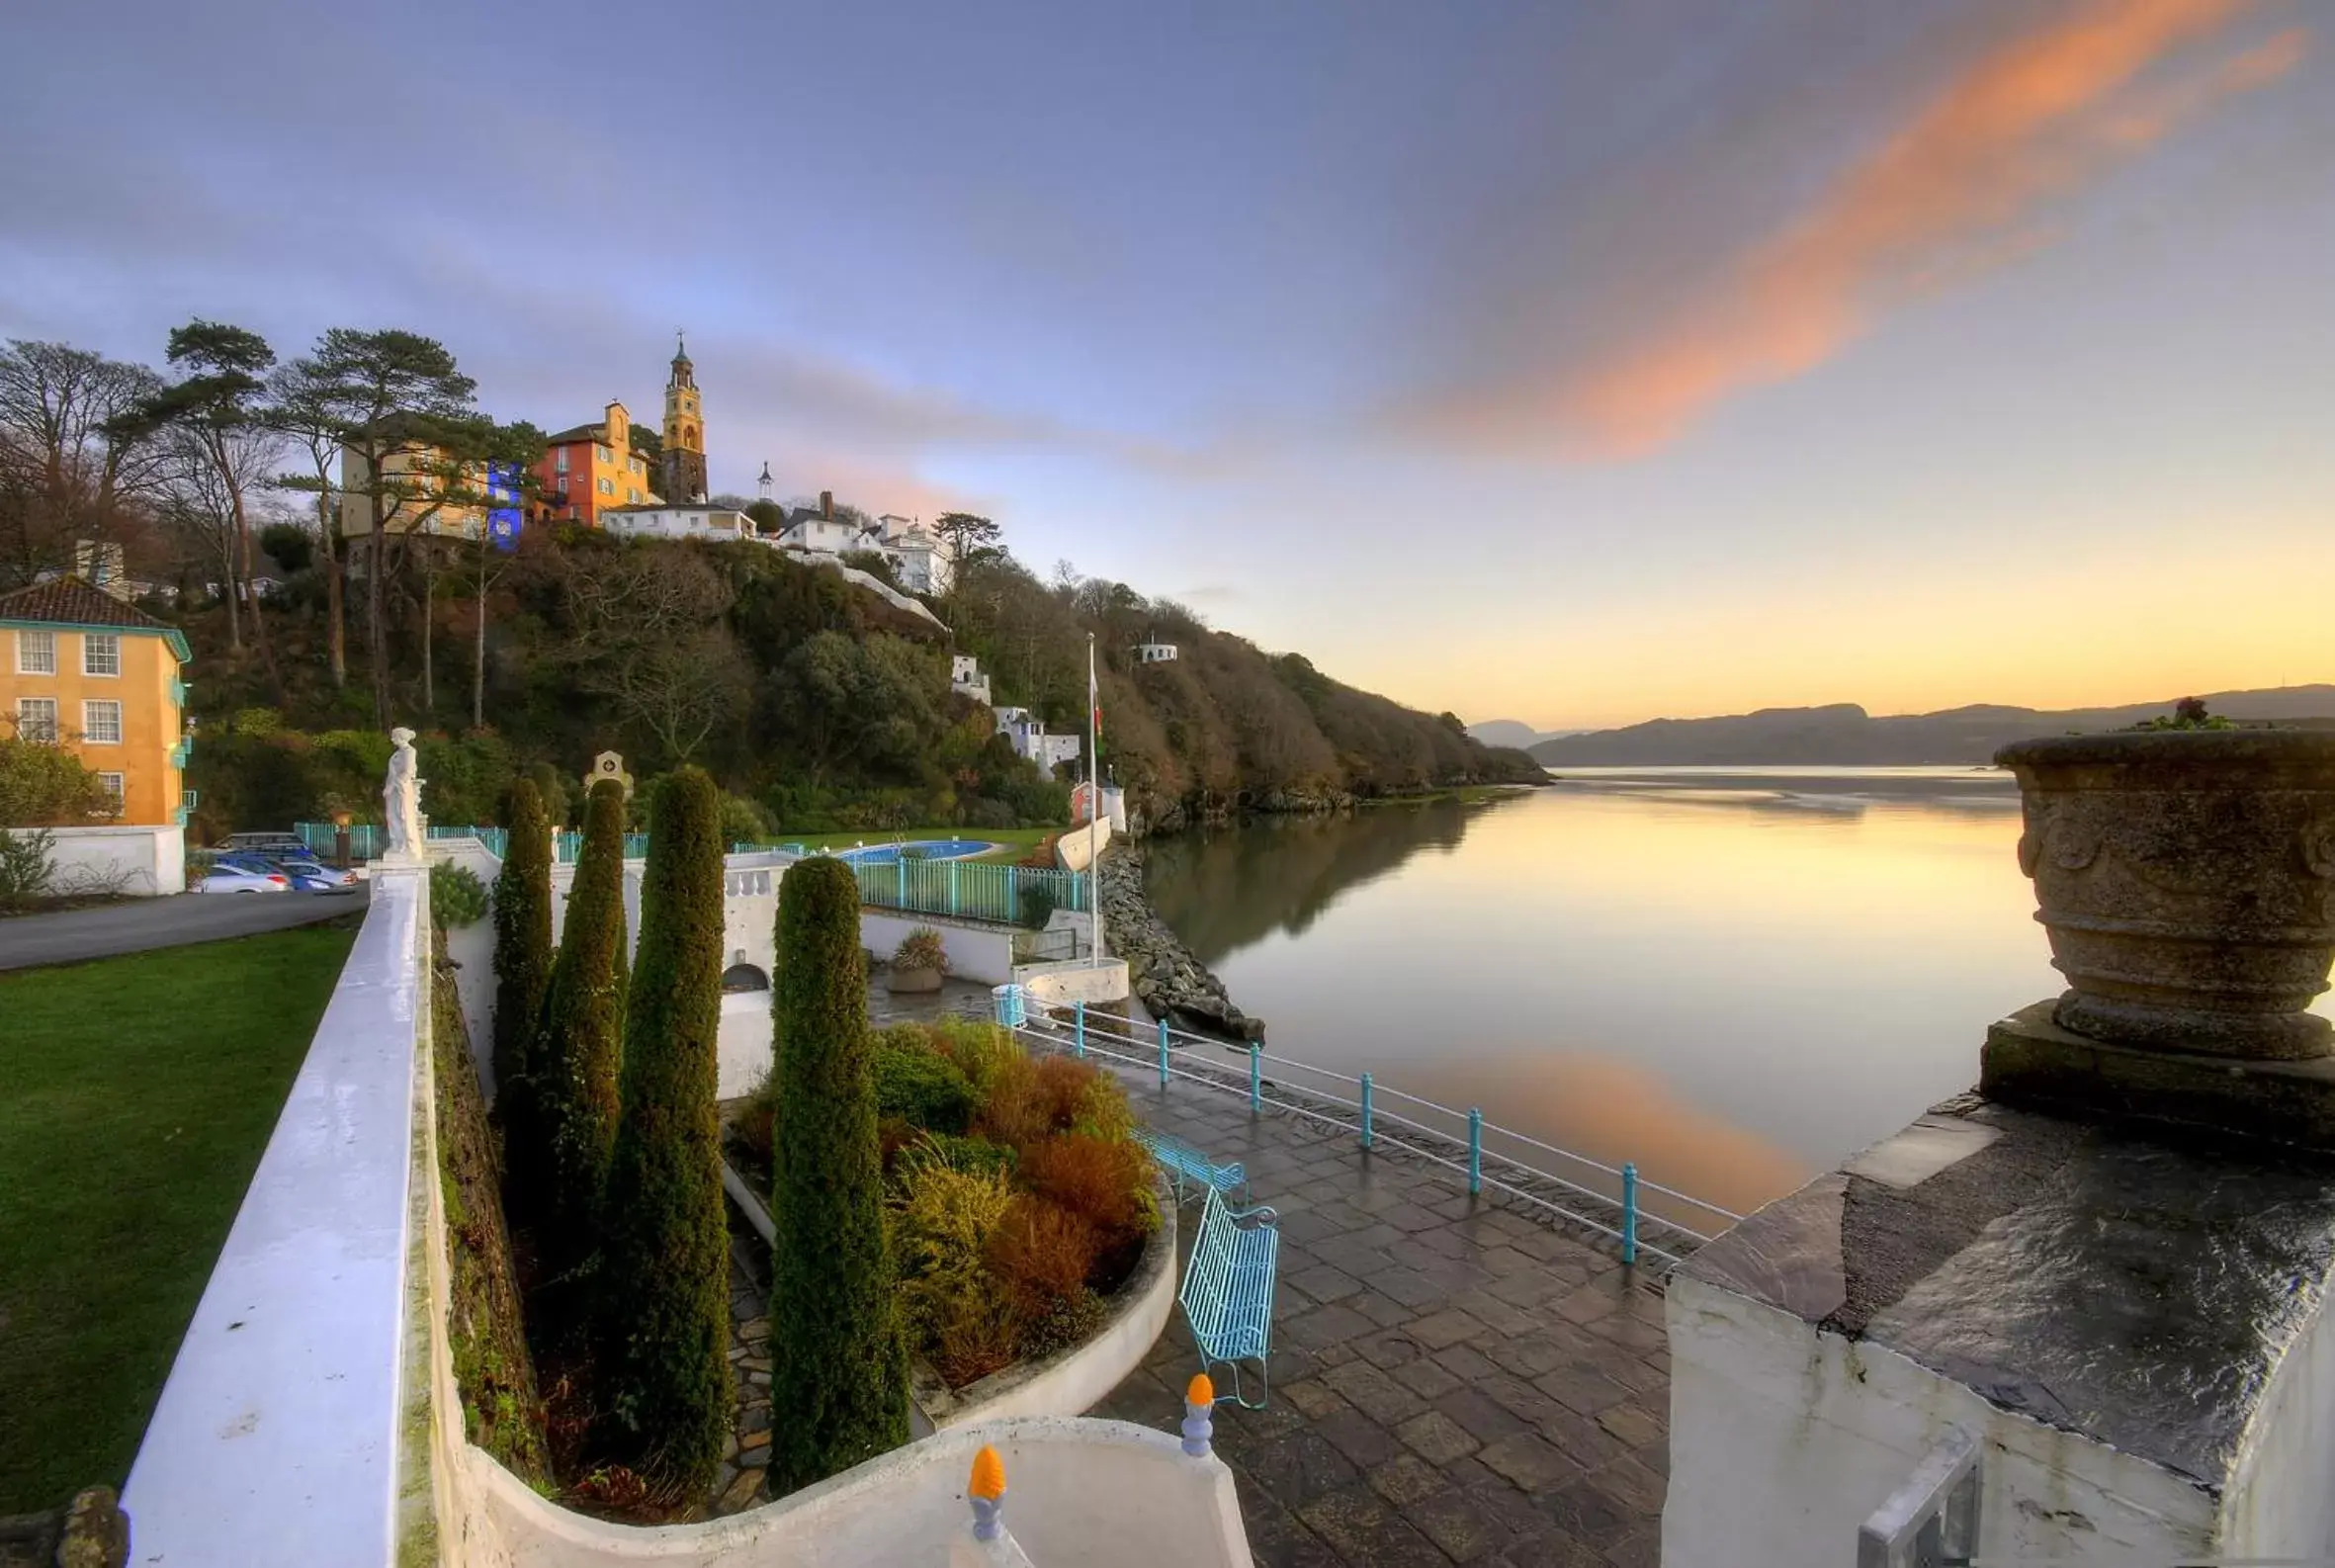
{"x":982,"y":953}
{"x":1783,"y":1439}
{"x":1074,"y":848}
{"x":143,"y":862}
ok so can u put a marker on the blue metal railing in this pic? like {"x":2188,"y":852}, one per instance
{"x":970,"y":889}
{"x":1612,"y":1196}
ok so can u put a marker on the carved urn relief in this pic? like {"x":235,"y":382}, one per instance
{"x":2186,"y":880}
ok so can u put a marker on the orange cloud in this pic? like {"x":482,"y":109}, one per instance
{"x":2027,"y":122}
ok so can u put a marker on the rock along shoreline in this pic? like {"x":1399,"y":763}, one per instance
{"x":1171,"y":983}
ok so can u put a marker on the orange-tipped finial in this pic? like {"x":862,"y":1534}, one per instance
{"x":988,"y":1475}
{"x":1199,"y":1391}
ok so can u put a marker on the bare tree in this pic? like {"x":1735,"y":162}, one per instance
{"x":300,"y":405}
{"x":71,"y":457}
{"x":647,"y":633}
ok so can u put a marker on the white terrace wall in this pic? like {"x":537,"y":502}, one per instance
{"x":143,"y":862}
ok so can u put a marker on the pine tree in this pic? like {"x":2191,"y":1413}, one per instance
{"x":836,"y":1342}
{"x":664,"y":1287}
{"x":575,"y":1062}
{"x":522,"y":968}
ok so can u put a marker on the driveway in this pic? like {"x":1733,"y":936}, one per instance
{"x":71,"y":936}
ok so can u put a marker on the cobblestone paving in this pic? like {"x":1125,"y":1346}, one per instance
{"x":1453,"y":1381}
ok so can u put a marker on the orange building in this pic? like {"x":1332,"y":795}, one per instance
{"x":82,"y":669}
{"x":586,"y":470}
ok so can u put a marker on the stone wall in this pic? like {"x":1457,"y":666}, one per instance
{"x":1173,"y":984}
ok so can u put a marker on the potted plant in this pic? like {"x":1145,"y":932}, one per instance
{"x":919,"y":962}
{"x":2186,"y":876}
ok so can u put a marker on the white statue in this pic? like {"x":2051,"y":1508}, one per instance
{"x":400,"y":796}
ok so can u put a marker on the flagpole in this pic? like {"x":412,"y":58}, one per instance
{"x":1094,"y":810}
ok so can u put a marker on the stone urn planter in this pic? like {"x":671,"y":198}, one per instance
{"x":2186,"y":880}
{"x":900,"y":980}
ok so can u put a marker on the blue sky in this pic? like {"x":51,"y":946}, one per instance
{"x":1575,"y":363}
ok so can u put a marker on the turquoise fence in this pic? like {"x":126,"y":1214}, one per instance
{"x":365,"y":840}
{"x":971,"y":890}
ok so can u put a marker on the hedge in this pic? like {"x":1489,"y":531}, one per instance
{"x":522,"y":952}
{"x":665,"y":1291}
{"x":835,"y":1343}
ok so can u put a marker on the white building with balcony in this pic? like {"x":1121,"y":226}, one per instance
{"x":676,"y":522}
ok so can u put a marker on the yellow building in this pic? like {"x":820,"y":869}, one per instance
{"x":414,"y":478}
{"x":80,"y":669}
{"x":684,"y":433}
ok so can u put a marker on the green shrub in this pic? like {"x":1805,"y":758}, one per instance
{"x":743,"y":822}
{"x":45,"y":786}
{"x":27,"y":869}
{"x":921,"y":1087}
{"x":952,"y":1303}
{"x":573,"y":1098}
{"x":664,"y":1310}
{"x":522,"y":952}
{"x":1038,"y":905}
{"x":836,"y":1342}
{"x":981,"y":1050}
{"x":457,"y":896}
{"x":921,"y":948}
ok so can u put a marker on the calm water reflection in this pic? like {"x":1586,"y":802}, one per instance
{"x":1733,"y":982}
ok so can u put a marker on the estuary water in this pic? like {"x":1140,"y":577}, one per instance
{"x":1731,"y":978}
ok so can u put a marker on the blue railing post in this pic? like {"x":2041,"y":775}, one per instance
{"x":1474,"y":1149}
{"x":1255,"y":1077}
{"x":1630,"y":1212}
{"x":1365,"y":1110}
{"x":1012,"y":915}
{"x":952,"y":887}
{"x":901,"y":866}
{"x":1162,"y":1053}
{"x":1079,"y":1039}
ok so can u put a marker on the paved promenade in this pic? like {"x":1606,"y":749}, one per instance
{"x":1454,"y":1380}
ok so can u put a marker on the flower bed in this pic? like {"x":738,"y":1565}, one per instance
{"x":1016,"y":1199}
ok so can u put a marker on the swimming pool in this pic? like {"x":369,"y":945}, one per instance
{"x":918,"y":849}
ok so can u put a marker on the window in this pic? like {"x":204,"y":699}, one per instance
{"x":101,"y":653}
{"x":35,"y":652}
{"x":632,"y":495}
{"x":111,"y":783}
{"x":563,"y":460}
{"x":35,"y":719}
{"x":101,"y":723}
{"x":607,"y":486}
{"x":603,"y":455}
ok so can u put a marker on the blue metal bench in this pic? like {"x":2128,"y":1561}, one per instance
{"x":1228,"y":1290}
{"x":1181,"y":1160}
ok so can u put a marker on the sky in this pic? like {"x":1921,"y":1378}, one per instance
{"x":1549,"y":360}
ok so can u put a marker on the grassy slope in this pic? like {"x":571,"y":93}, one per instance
{"x":141,"y":1094}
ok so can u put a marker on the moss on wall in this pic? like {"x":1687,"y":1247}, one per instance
{"x":501,"y":1412}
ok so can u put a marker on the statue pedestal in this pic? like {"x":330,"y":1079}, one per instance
{"x":2126,"y":1321}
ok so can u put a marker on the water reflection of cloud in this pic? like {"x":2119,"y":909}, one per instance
{"x":1614,"y":1110}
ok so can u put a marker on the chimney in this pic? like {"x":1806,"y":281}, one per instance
{"x":827,"y":505}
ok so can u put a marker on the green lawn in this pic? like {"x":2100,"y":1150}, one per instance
{"x":139,"y":1093}
{"x":1017,"y":840}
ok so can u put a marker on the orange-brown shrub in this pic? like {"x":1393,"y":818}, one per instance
{"x":1107,"y":1182}
{"x":1014,"y":1112}
{"x":1044,"y":1252}
{"x":1061,"y":1088}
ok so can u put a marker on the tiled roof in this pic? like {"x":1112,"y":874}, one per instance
{"x":69,"y":601}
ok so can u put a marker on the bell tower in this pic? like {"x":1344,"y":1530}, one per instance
{"x":685,"y":431}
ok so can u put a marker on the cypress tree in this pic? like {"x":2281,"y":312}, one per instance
{"x":665,"y":1286}
{"x":522,"y":966}
{"x":835,"y":1346}
{"x":572,"y":1075}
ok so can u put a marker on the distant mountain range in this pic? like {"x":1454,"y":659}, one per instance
{"x":1844,"y":734}
{"x":1510,"y":733}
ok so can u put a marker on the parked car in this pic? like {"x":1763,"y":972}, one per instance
{"x":232,"y":874}
{"x":269,"y":844}
{"x":311,"y":876}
